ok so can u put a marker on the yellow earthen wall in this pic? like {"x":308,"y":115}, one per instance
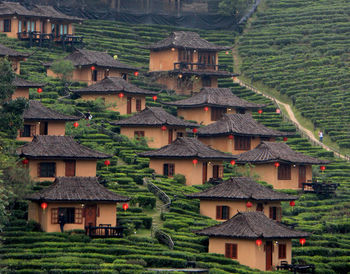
{"x":163,"y":60}
{"x":21,"y":92}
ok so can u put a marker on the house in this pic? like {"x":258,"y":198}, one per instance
{"x":91,"y":66}
{"x":83,"y":201}
{"x":239,"y":194}
{"x":279,"y":165}
{"x":122,"y":96}
{"x":185,"y":62}
{"x":41,"y":23}
{"x":14,"y":57}
{"x":157,"y":126}
{"x":48,"y":157}
{"x":40,"y":120}
{"x":189,"y":157}
{"x":210,"y":104}
{"x":253,"y":240}
{"x":22,"y":87}
{"x":237,"y":133}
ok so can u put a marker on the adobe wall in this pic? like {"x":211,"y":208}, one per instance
{"x":21,"y":92}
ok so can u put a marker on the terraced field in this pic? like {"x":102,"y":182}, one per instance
{"x":301,"y":49}
{"x":26,"y":250}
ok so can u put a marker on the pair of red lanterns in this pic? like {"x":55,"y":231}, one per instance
{"x":258,"y":242}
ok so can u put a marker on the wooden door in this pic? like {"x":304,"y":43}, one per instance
{"x":216,"y":171}
{"x":302,"y":176}
{"x":43,"y":128}
{"x":205,"y":172}
{"x":268,"y":250}
{"x":128,"y":105}
{"x":170,"y":136}
{"x":70,"y":168}
{"x":90,"y":215}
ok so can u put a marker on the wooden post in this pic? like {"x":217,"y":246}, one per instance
{"x":178,"y":7}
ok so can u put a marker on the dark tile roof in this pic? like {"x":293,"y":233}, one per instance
{"x":77,"y":189}
{"x":84,"y":57}
{"x":22,"y":83}
{"x":5,"y":51}
{"x":114,"y":85}
{"x":58,"y":147}
{"x":268,"y":152}
{"x":36,"y":111}
{"x":184,"y":72}
{"x":241,"y":188}
{"x":185,"y":40}
{"x":51,"y":13}
{"x":153,"y":117}
{"x":215,"y":97}
{"x":185,"y":147}
{"x":14,"y":8}
{"x":251,"y":225}
{"x":239,"y":124}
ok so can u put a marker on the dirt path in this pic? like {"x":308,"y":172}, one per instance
{"x":291,"y":117}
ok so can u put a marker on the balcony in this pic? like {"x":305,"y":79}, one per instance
{"x":198,"y":66}
{"x":104,"y":231}
{"x":320,"y":188}
{"x":41,"y":39}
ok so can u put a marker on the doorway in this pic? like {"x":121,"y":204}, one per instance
{"x":90,"y":215}
{"x":302,"y":176}
{"x":268,"y":246}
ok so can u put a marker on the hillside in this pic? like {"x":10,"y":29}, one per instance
{"x":301,"y":49}
{"x":27,"y":251}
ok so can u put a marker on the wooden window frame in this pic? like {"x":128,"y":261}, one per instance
{"x":78,"y":215}
{"x":217,"y":113}
{"x":231,"y":251}
{"x":40,"y":169}
{"x":284,"y":172}
{"x":9,"y":29}
{"x":275,"y":213}
{"x":282,"y":251}
{"x":220,"y":210}
{"x":242,"y":142}
{"x":54,"y":216}
{"x":138,"y":105}
{"x":26,"y":131}
{"x":170,"y":168}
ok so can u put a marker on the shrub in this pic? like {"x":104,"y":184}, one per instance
{"x":179,"y":178}
{"x":33,"y":226}
{"x":146,"y":201}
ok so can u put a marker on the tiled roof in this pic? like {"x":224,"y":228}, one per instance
{"x":22,"y":83}
{"x":14,"y":8}
{"x":51,"y":13}
{"x":5,"y":51}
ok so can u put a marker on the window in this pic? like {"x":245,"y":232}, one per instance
{"x":179,"y":134}
{"x":231,"y":251}
{"x":218,"y":171}
{"x":94,"y":75}
{"x":207,"y":60}
{"x":284,"y":172}
{"x":169,"y":170}
{"x":185,"y":56}
{"x":26,"y":131}
{"x":242,"y":142}
{"x":217,"y":113}
{"x":128,"y":105}
{"x":275,"y":213}
{"x":259,"y":207}
{"x":206,"y":82}
{"x":282,"y":251}
{"x":139,"y":134}
{"x":70,"y":168}
{"x":138,"y":105}
{"x":46,"y":169}
{"x":54,"y":215}
{"x":69,"y":213}
{"x":222,"y":212}
{"x":7,"y":25}
{"x":240,"y":111}
{"x":72,"y":215}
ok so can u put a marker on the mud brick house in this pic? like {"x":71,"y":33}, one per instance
{"x":93,"y":66}
{"x":210,"y":104}
{"x":239,"y":194}
{"x":189,"y":157}
{"x":237,"y":133}
{"x":40,"y":120}
{"x":157,"y":126}
{"x":23,"y":86}
{"x":118,"y":94}
{"x":83,"y":201}
{"x":185,"y":62}
{"x":14,"y":57}
{"x":58,"y":156}
{"x":279,"y":165}
{"x":252,"y":239}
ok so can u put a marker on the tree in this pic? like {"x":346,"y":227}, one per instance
{"x":6,"y":78}
{"x":233,"y":7}
{"x":63,"y":68}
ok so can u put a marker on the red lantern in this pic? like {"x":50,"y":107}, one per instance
{"x":136,"y":73}
{"x":323,"y":168}
{"x":233,"y":162}
{"x":163,"y":128}
{"x":195,"y":161}
{"x":107,"y":162}
{"x":260,"y":111}
{"x":226,"y":52}
{"x":76,"y":124}
{"x":302,"y":241}
{"x":25,"y":161}
{"x":206,"y":109}
{"x":285,"y":139}
{"x":125,"y":207}
{"x":154,"y":98}
{"x":230,"y":137}
{"x":278,"y":111}
{"x":277,"y":164}
{"x":43,"y":205}
{"x":258,"y":242}
{"x":39,"y":90}
{"x":194,"y":130}
{"x":249,"y":204}
{"x":121,"y":95}
{"x":92,"y":68}
{"x":292,"y":203}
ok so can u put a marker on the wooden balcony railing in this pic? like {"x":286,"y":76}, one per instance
{"x":198,"y":66}
{"x":40,"y":39}
{"x":104,"y":231}
{"x":322,"y":188}
{"x":297,"y":268}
